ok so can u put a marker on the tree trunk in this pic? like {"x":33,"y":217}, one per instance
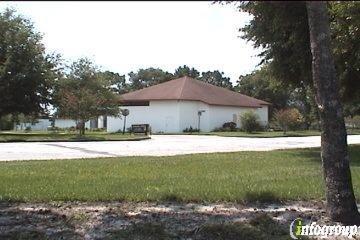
{"x":82,"y":127}
{"x":124,"y":125}
{"x":341,"y":203}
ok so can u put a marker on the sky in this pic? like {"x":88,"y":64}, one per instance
{"x":127,"y":36}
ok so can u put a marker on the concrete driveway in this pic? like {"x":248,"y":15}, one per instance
{"x":159,"y":145}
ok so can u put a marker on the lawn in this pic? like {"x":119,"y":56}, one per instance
{"x":269,"y":134}
{"x":43,"y":136}
{"x":241,"y":176}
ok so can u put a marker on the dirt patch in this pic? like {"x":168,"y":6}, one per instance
{"x":168,"y":220}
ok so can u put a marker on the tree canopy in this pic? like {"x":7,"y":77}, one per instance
{"x":216,"y":78}
{"x":281,"y":30}
{"x":85,"y":94}
{"x":182,"y":71}
{"x":26,"y":71}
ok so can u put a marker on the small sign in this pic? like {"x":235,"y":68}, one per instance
{"x":140,"y":128}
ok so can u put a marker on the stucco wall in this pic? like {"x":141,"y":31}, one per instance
{"x":66,"y":123}
{"x":163,"y":116}
{"x":175,"y":116}
{"x":221,"y":114}
{"x":188,"y":111}
{"x":43,"y":124}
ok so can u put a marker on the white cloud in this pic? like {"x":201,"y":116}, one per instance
{"x":126,"y":36}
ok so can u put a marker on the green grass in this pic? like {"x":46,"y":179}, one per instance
{"x":240,"y":176}
{"x":41,"y":136}
{"x":303,"y":133}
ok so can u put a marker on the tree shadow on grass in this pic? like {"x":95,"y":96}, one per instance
{"x":18,"y":223}
{"x":261,"y":197}
{"x":314,"y":154}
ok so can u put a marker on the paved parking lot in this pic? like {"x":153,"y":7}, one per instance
{"x":159,"y":145}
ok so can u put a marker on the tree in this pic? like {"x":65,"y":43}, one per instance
{"x":345,"y":35}
{"x":84,"y":94}
{"x":216,"y":78}
{"x":148,"y":77}
{"x":186,"y":71}
{"x":116,"y":81}
{"x":341,"y":204}
{"x":26,"y":71}
{"x":282,"y":30}
{"x":288,"y":118}
{"x":262,"y":85}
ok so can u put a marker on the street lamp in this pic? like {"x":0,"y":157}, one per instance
{"x":199,"y":115}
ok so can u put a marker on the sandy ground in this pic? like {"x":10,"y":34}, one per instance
{"x":159,"y":145}
{"x":72,"y":220}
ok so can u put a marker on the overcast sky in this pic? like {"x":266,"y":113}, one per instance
{"x":126,"y":36}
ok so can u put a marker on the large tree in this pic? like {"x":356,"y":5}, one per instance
{"x":26,"y":71}
{"x":262,"y":85}
{"x":85,"y":94}
{"x":148,"y":77}
{"x":116,"y":81}
{"x":216,"y":78}
{"x":185,"y":70}
{"x":282,"y":30}
{"x":341,"y":204}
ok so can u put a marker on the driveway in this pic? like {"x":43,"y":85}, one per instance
{"x":159,"y":145}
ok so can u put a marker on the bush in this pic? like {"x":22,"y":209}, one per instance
{"x":97,"y":129}
{"x":229,"y":126}
{"x":250,"y":122}
{"x":190,"y":130}
{"x":353,"y":122}
{"x":53,"y":129}
{"x":287,"y":119}
{"x":28,"y":129}
{"x":6,"y":122}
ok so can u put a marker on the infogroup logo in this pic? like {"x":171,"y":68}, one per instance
{"x":297,"y":230}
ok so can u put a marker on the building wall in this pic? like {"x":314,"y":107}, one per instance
{"x":174,"y":116}
{"x":221,"y":114}
{"x":66,"y":123}
{"x":163,"y":116}
{"x":188,"y":112}
{"x":43,"y":124}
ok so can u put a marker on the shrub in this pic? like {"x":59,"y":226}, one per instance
{"x":28,"y":129}
{"x":6,"y":122}
{"x":97,"y":129}
{"x":287,"y":119}
{"x":190,"y":130}
{"x":53,"y":129}
{"x":229,"y":126}
{"x":353,"y":122}
{"x":250,"y":122}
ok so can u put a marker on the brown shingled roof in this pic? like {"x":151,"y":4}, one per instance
{"x":187,"y":88}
